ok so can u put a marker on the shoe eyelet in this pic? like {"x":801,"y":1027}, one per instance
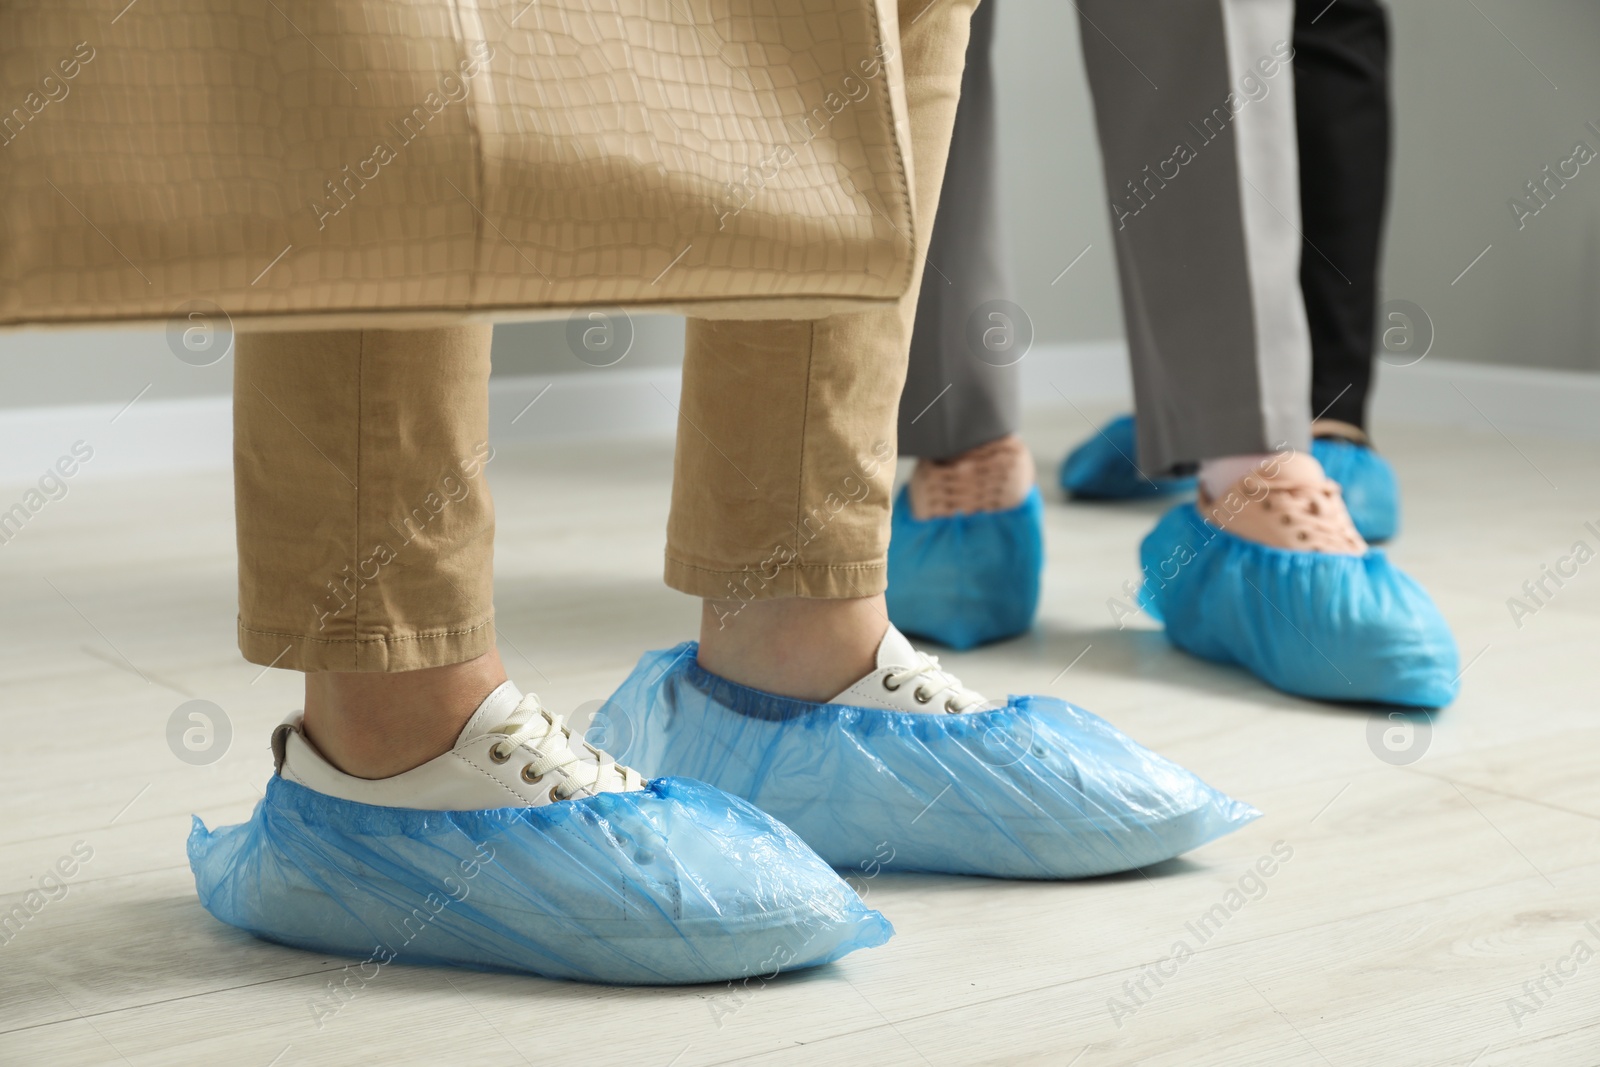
{"x":531,"y":779}
{"x":950,"y":707}
{"x":496,"y":755}
{"x":886,"y":685}
{"x":554,"y":799}
{"x":921,"y":697}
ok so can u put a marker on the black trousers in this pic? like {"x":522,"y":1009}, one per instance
{"x":1341,"y":84}
{"x":955,"y":400}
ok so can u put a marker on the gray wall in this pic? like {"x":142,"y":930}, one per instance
{"x":1486,"y":96}
{"x":1481,"y":109}
{"x":1477,"y":118}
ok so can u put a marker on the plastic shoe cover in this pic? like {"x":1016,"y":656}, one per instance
{"x":1331,"y":627}
{"x":675,"y":883}
{"x":966,"y":580}
{"x":1371,"y":491}
{"x":1103,"y":467}
{"x":1036,"y":789}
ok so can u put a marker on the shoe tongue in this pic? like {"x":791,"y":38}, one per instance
{"x":895,"y":651}
{"x":495,"y":710}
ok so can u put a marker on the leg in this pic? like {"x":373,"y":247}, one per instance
{"x":1341,"y":72}
{"x":954,"y":400}
{"x":1341,"y":124}
{"x":365,"y":540}
{"x":967,"y":542}
{"x":366,"y":533}
{"x":1205,"y":217}
{"x":366,"y":547}
{"x":785,"y":456}
{"x":798,"y":695}
{"x":1209,"y":254}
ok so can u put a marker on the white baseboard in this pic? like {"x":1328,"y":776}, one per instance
{"x":1488,"y":397}
{"x":146,"y":437}
{"x":153,"y":436}
{"x":598,"y":405}
{"x":196,"y":433}
{"x":1513,"y":400}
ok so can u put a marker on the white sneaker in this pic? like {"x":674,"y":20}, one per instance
{"x":908,"y":680}
{"x":511,"y":753}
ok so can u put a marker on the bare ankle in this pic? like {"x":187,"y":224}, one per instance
{"x":795,"y":647}
{"x":376,"y":725}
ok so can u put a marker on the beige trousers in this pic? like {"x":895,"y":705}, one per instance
{"x":366,"y":527}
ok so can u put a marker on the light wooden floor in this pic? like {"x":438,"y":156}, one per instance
{"x":1417,"y":903}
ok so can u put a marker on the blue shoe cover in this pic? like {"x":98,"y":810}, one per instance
{"x":1035,"y":789}
{"x":1330,"y":627}
{"x":1104,"y":467}
{"x":676,"y":883}
{"x":966,"y":580}
{"x":1371,"y":491}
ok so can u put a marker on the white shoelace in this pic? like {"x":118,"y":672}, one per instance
{"x":931,"y":681}
{"x":546,"y":737}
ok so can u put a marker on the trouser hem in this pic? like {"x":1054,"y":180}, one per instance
{"x":380,"y":653}
{"x":1167,"y":445}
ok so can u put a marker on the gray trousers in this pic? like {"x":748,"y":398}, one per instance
{"x":953,"y":399}
{"x":1194,"y":105}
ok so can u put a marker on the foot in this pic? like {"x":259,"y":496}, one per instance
{"x":1288,"y":503}
{"x":1272,"y":575}
{"x":373,"y":724}
{"x":511,"y":753}
{"x":995,"y":476}
{"x":966,"y":547}
{"x":798,"y":646}
{"x":1371,"y":490}
{"x":903,"y":679}
{"x":521,"y":850}
{"x":1105,"y":467}
{"x":907,"y":768}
